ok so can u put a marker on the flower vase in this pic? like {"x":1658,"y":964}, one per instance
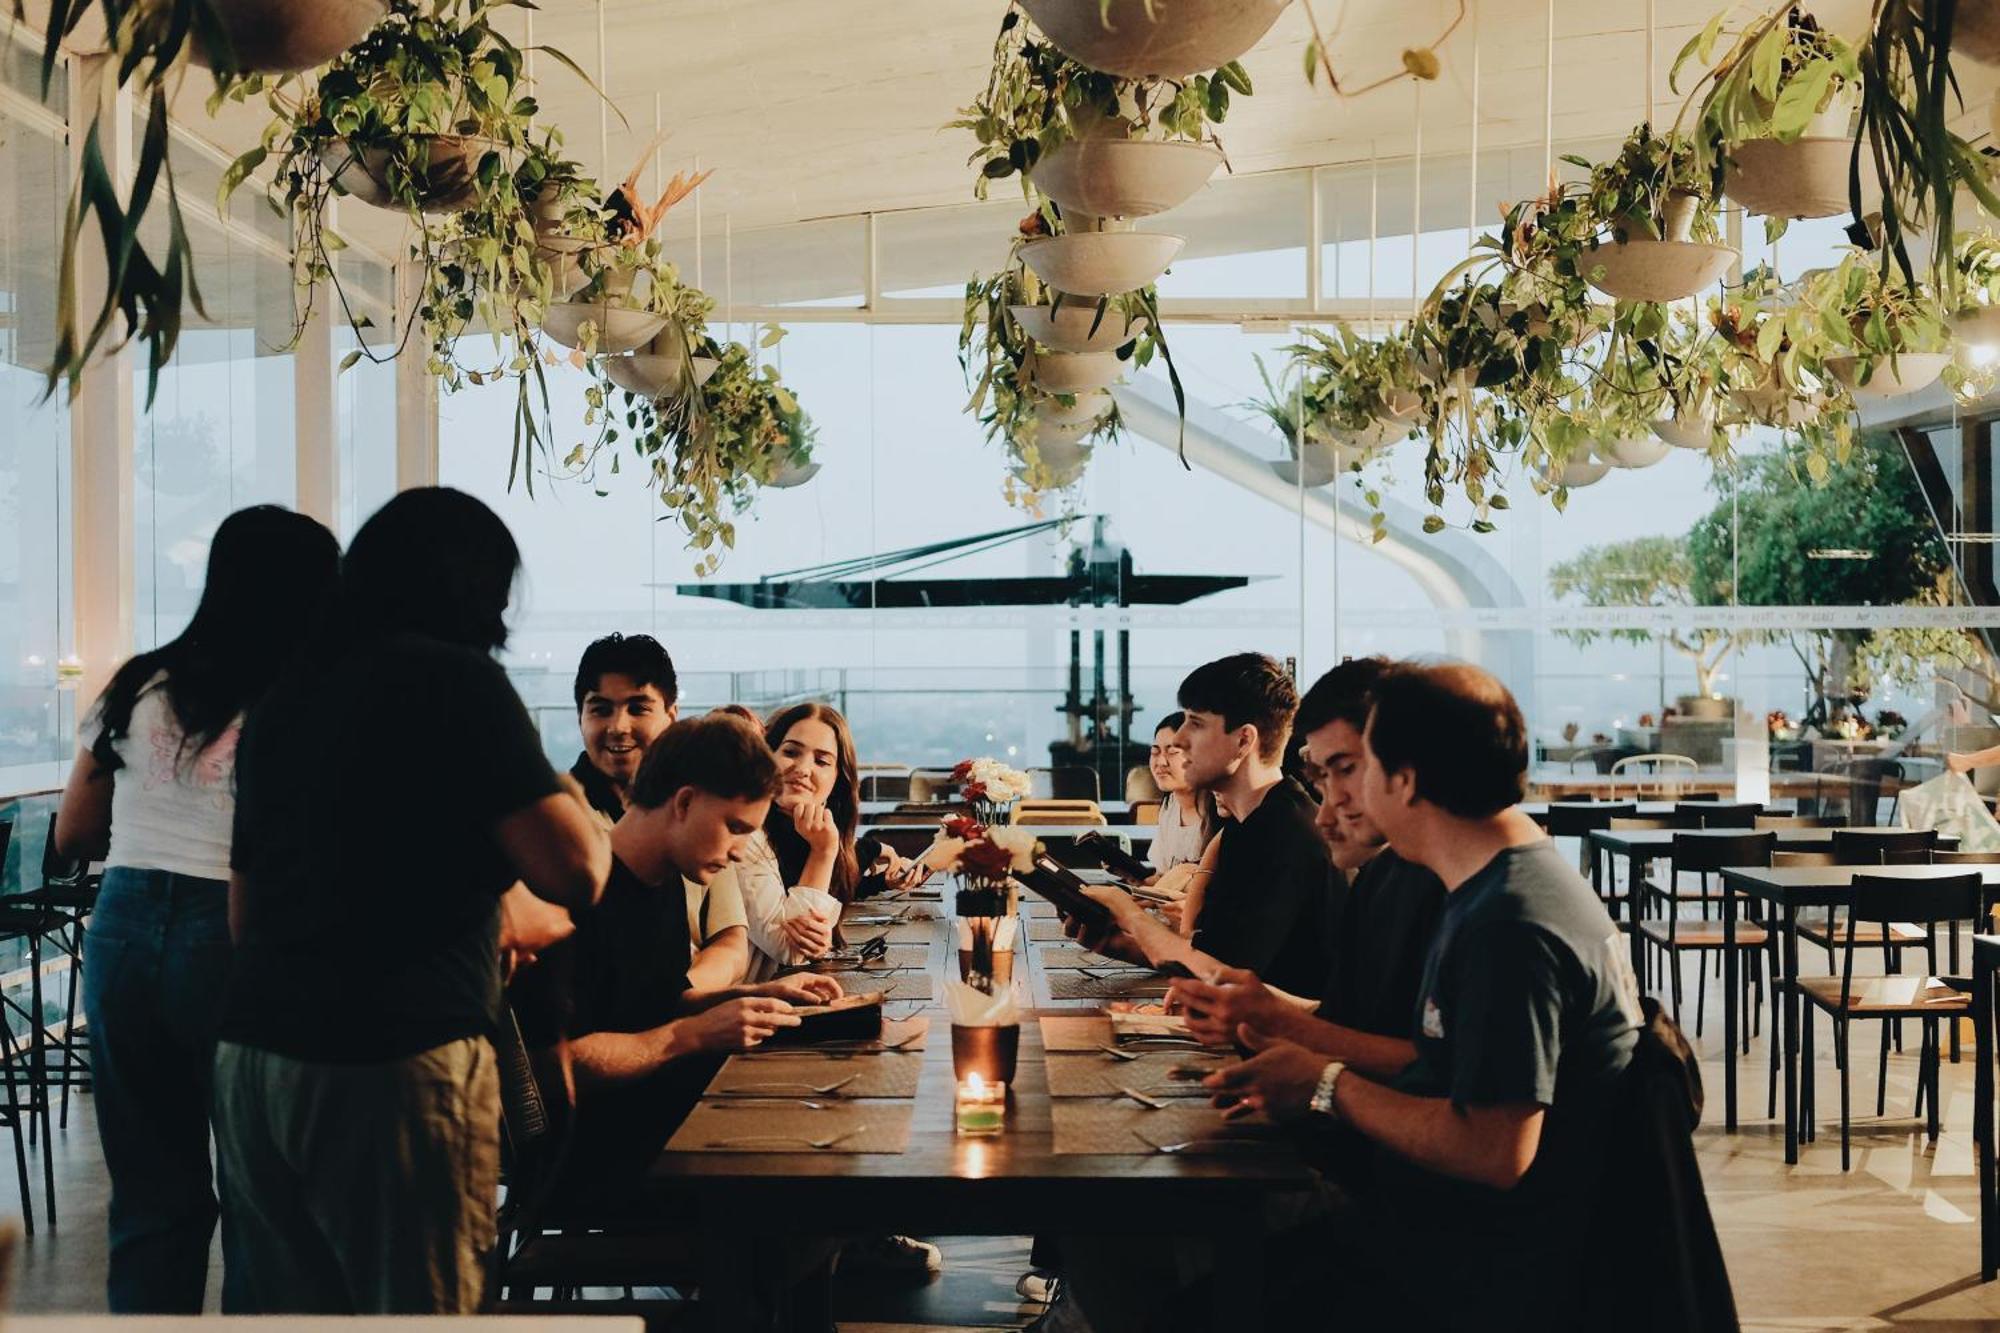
{"x":985,"y":897}
{"x":993,"y":814}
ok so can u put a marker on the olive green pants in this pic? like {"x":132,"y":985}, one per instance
{"x":363,"y":1188}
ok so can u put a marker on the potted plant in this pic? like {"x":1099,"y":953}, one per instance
{"x":1312,"y":461}
{"x":1688,"y":364}
{"x":1882,"y":337}
{"x":238,"y":41}
{"x":1361,"y":392}
{"x":1773,"y":118}
{"x":1660,"y":216}
{"x":1095,"y":143}
{"x":1144,"y":39}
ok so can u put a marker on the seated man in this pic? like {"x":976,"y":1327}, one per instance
{"x":626,"y":695}
{"x":643,"y":1043}
{"x":1263,"y":904}
{"x":1490,"y":1143}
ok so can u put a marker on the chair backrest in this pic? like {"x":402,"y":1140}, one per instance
{"x":1567,"y":819}
{"x":885,"y":786}
{"x":1663,"y":774}
{"x":932,"y":784}
{"x":1145,"y":812}
{"x":522,"y":1111}
{"x":1140,"y":784}
{"x":1805,"y":858}
{"x":1715,"y":814}
{"x":1929,"y":901}
{"x":1639,"y":822}
{"x":1796,"y":821}
{"x":1654,"y":763}
{"x":1064,"y":782}
{"x":1938,"y":858}
{"x":1883,"y":847}
{"x":1717,"y":851}
{"x":57,"y":868}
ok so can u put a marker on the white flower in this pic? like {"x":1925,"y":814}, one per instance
{"x":1004,"y":785}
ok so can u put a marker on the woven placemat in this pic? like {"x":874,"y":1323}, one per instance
{"x":1072,"y":984}
{"x":1075,"y":1032}
{"x":903,"y":932}
{"x":770,"y":1127}
{"x":1096,"y":1074}
{"x":1046,"y":930}
{"x":1039,"y":907}
{"x":893,"y":985}
{"x":1124,"y":1128}
{"x":898,"y":956}
{"x":1073,"y":955}
{"x":898,"y":1034}
{"x":889,"y":1074}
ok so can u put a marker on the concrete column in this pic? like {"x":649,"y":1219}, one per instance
{"x":316,"y":434}
{"x":102,"y":414}
{"x":416,"y":396}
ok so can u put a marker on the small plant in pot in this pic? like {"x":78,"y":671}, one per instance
{"x":1882,"y":337}
{"x":1770,"y":351}
{"x":1362,"y":393}
{"x":1094,"y":142}
{"x":1658,"y":219}
{"x":1771,"y":118}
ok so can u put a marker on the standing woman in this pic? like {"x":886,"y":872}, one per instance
{"x":388,"y":794}
{"x":152,"y":793}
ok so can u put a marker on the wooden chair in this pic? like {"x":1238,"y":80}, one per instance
{"x":1805,"y":858}
{"x":1039,"y":811}
{"x":1657,"y":768}
{"x":1877,"y":901}
{"x":1146,"y":812}
{"x":1796,"y":821}
{"x":1670,"y":935}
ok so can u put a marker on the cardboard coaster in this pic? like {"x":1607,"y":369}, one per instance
{"x":891,"y":1074}
{"x":778,"y":1127}
{"x":1124,"y":1128}
{"x":1096,"y":1074}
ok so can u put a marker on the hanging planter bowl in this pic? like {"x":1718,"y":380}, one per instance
{"x":1069,"y":329}
{"x":656,"y":375}
{"x":1061,"y":455}
{"x":1576,"y":474}
{"x":1090,"y":405}
{"x":1908,"y":373}
{"x":1324,"y":454}
{"x":1377,"y":434}
{"x":1632,"y":451}
{"x":1101,"y":263}
{"x":1975,"y":31}
{"x":1124,"y":178}
{"x":792,"y":474}
{"x":1077,"y":372}
{"x":1306,"y":472}
{"x":449,"y":182}
{"x":1803,"y":179}
{"x":1643,"y":269}
{"x":288,"y":36}
{"x":1062,"y":432}
{"x":1686,"y":432}
{"x":618,"y":329}
{"x":1144,"y":39}
{"x":1775,"y":404}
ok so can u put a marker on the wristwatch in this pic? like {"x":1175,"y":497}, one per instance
{"x":1322,"y":1098}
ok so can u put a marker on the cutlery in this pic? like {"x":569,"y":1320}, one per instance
{"x":1113,"y":973}
{"x":1150,"y":1103}
{"x":817,"y":1090}
{"x":1117,"y":1054}
{"x":1220,"y":1144}
{"x":752,"y":1103}
{"x":741,"y":1139}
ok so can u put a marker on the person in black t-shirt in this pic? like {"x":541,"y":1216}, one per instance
{"x":638,"y":1035}
{"x":356,"y":1094}
{"x":1489,"y":1142}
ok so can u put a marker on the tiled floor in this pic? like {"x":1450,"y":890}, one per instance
{"x":1891,"y":1244}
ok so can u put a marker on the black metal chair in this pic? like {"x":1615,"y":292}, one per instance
{"x":1873,"y":847}
{"x":16,"y":1112}
{"x":24,"y":1059}
{"x":1579,"y":819}
{"x":69,"y":889}
{"x":1669,"y":935}
{"x":1713,"y":813}
{"x":1874,"y":900}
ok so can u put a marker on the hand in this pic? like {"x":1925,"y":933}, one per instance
{"x":1171,"y":914}
{"x":902,"y":876}
{"x":808,"y":934}
{"x":815,"y":824}
{"x":528,"y":926}
{"x":799,"y":988}
{"x":1216,"y":1010}
{"x":1958,"y":763}
{"x":738,"y":1025}
{"x":1278,"y":1079}
{"x":1124,"y":907}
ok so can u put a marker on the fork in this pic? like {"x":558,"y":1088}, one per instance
{"x":1150,"y":1103}
{"x":1220,"y":1144}
{"x":741,"y":1139}
{"x":817,"y":1090}
{"x":1117,"y":1054}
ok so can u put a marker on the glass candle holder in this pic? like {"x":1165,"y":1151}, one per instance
{"x":981,"y":1107}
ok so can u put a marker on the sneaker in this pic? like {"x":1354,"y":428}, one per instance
{"x":893,"y":1254}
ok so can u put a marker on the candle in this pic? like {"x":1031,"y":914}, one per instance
{"x":981,"y":1106}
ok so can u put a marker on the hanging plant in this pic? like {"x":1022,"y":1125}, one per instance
{"x":1882,"y":336}
{"x":148,"y":39}
{"x":1656,"y":215}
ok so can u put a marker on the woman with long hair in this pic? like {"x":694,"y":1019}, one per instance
{"x":151,"y":793}
{"x":387,"y":797}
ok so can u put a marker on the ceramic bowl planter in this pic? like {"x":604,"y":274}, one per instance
{"x":288,"y":36}
{"x":1062,"y":432}
{"x":1774,"y":404}
{"x":619,"y":329}
{"x":1077,"y":372}
{"x":1686,"y":432}
{"x":1632,"y":451}
{"x":1377,"y":434}
{"x":1907,"y":373}
{"x":1069,"y":329}
{"x":1643,"y":269}
{"x":1056,"y":478}
{"x":1307,"y":472}
{"x":1101,"y":263}
{"x":1577,"y":474}
{"x":1806,"y":178}
{"x":1090,"y":405}
{"x":449,"y":182}
{"x":1124,"y":178}
{"x":662,"y":369}
{"x":1144,"y":39}
{"x":792,"y":474}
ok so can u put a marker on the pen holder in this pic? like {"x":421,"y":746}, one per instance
{"x":989,"y":1053}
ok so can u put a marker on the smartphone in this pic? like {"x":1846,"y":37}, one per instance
{"x":1107,"y":853}
{"x":1174,"y":968}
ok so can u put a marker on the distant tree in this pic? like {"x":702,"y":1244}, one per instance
{"x":1647,"y":571}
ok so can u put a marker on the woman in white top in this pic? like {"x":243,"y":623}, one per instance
{"x":151,"y":793}
{"x":1187,"y":817}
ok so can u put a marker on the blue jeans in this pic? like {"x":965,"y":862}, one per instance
{"x":156,"y":957}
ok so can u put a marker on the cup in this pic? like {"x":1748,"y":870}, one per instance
{"x":989,"y":1052}
{"x":1003,"y":967}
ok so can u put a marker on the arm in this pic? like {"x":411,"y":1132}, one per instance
{"x":83,"y":820}
{"x":1957,"y":763}
{"x":722,"y":962}
{"x":1216,"y":1009}
{"x":1487,"y":1145}
{"x":608,"y":1059}
{"x":557,"y":847}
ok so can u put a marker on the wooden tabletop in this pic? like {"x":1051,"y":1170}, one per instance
{"x":1789,"y":839}
{"x":1825,"y":886}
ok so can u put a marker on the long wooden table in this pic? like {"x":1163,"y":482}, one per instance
{"x":1013,"y":1184}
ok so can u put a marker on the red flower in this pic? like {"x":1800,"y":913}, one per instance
{"x":962,"y":770}
{"x":964,"y":826}
{"x":985,"y":860}
{"x":973,"y":791}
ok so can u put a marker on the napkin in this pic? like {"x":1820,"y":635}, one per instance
{"x":976,"y":1009}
